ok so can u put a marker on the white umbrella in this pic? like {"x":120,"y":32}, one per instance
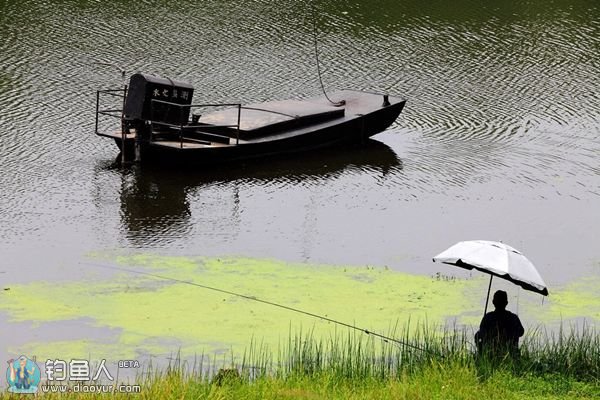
{"x":496,"y":259}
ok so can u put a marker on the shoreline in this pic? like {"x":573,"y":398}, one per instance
{"x":352,"y":367}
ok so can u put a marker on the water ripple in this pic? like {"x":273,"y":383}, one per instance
{"x":501,"y":101}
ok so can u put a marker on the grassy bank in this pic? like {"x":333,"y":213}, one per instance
{"x":426,"y":364}
{"x":442,"y":381}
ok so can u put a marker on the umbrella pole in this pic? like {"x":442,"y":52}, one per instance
{"x":487,"y":299}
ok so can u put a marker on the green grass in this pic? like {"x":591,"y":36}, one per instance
{"x":564,"y":364}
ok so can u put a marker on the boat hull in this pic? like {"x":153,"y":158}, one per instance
{"x":352,"y":128}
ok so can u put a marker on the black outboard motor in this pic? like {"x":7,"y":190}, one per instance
{"x":140,"y":108}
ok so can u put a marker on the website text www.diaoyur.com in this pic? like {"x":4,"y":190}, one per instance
{"x":79,"y":388}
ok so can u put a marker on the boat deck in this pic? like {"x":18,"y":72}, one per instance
{"x":118,"y":135}
{"x":265,"y":118}
{"x":188,"y":144}
{"x":356,"y":102}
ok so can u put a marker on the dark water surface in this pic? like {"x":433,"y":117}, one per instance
{"x":499,"y":139}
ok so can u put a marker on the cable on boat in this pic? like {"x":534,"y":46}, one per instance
{"x":385,"y":339}
{"x":314,"y":15}
{"x":113,"y":65}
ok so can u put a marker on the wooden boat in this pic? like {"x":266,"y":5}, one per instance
{"x":160,"y":124}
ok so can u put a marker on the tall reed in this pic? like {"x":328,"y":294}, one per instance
{"x":573,"y":352}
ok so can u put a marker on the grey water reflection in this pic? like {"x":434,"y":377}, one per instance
{"x":155,"y":202}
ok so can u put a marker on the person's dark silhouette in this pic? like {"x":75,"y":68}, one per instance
{"x":500,"y":330}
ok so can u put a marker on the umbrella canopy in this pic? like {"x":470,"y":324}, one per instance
{"x":496,"y":259}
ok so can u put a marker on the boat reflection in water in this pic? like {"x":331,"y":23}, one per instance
{"x":155,"y":203}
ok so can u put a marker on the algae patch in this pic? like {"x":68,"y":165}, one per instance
{"x":151,"y":316}
{"x":155,"y":316}
{"x":576,"y":300}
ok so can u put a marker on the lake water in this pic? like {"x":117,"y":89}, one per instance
{"x":499,"y":139}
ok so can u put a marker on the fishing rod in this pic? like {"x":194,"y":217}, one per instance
{"x":385,"y":339}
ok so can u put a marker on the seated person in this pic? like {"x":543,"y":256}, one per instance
{"x":500,"y":330}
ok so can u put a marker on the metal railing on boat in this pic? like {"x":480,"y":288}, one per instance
{"x":184,"y":123}
{"x":113,"y":112}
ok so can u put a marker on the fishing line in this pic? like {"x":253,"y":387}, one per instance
{"x":385,"y":339}
{"x":314,"y":16}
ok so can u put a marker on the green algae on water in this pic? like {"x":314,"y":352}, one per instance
{"x":146,"y":315}
{"x":159,"y":316}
